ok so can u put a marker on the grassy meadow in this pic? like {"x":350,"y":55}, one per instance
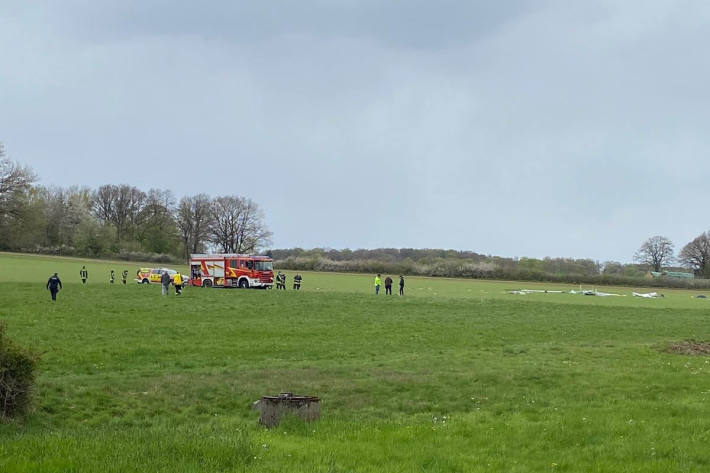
{"x":457,"y":376}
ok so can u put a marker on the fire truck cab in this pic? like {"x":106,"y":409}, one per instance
{"x":231,"y":270}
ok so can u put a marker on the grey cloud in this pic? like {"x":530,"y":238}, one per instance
{"x":402,"y":23}
{"x":512,"y":128}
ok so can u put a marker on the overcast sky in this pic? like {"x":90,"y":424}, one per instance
{"x":516,"y":128}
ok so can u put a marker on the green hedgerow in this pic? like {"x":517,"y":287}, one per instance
{"x":17,"y":375}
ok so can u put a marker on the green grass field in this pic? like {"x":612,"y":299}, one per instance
{"x":458,"y":376}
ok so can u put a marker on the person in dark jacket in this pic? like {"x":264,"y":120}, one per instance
{"x":297,"y":282}
{"x":84,"y":274}
{"x":124,"y":276}
{"x":165,"y":282}
{"x":401,"y":285}
{"x":54,"y":284}
{"x":388,"y":285}
{"x":112,"y":277}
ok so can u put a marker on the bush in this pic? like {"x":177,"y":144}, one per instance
{"x":459,"y":268}
{"x":124,"y":254}
{"x":17,"y":376}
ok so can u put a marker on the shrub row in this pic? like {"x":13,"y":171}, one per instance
{"x":481,"y":270}
{"x":121,"y":255}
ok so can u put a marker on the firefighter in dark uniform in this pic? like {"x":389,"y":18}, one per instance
{"x":54,"y":285}
{"x":124,"y":276}
{"x":84,"y":274}
{"x":297,"y":282}
{"x":281,"y":281}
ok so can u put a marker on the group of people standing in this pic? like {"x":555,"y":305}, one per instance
{"x":84,"y":275}
{"x":280,"y":281}
{"x":112,"y":276}
{"x":54,"y":284}
{"x":388,"y":285}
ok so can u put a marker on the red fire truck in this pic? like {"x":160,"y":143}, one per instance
{"x":231,"y":270}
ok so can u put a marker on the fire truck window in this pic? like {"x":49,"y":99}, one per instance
{"x":263,"y":265}
{"x":234,"y":264}
{"x":243,"y":263}
{"x":249,"y":264}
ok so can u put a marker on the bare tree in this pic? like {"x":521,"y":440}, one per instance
{"x":184,"y":217}
{"x":64,"y":210}
{"x":131,"y":201}
{"x":225,"y":213}
{"x":252,"y":232}
{"x":157,"y":208}
{"x":193,"y":217}
{"x":119,"y":205}
{"x":238,"y":225}
{"x":155,"y":227}
{"x":103,"y":203}
{"x":696,"y":255}
{"x":163,"y":201}
{"x":20,"y":207}
{"x":656,"y":252}
{"x":14,"y":178}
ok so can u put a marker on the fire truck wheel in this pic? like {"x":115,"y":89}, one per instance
{"x":207,"y":283}
{"x":244,"y":284}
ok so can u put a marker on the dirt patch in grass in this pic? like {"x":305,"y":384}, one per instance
{"x":690,"y":347}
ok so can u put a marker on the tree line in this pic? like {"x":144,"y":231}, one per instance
{"x":468,"y":264}
{"x":122,"y":221}
{"x":658,"y":252}
{"x":125,"y":222}
{"x":438,"y":262}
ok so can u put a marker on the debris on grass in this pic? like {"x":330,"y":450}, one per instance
{"x":689,"y":347}
{"x":273,"y":408}
{"x":586,"y":292}
{"x":532,"y":291}
{"x":607,"y":294}
{"x":594,"y":292}
{"x":649,"y":295}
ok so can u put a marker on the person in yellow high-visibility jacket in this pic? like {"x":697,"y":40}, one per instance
{"x":378,"y":283}
{"x":177,"y":282}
